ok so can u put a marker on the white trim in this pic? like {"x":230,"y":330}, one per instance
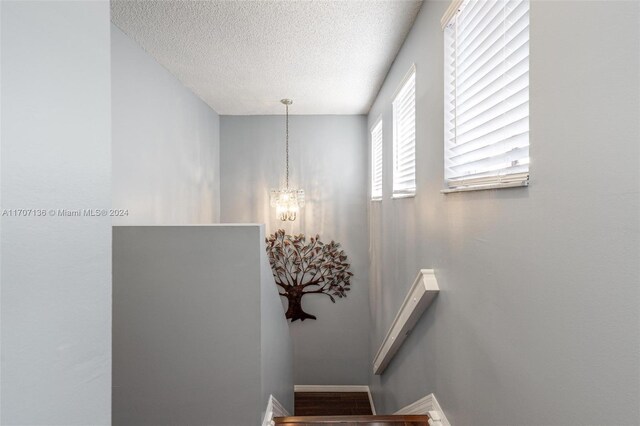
{"x":488,"y":182}
{"x":399,"y":195}
{"x":375,"y":123}
{"x":407,"y":76}
{"x":485,"y":187}
{"x":452,"y":10}
{"x":337,"y":388}
{"x":421,"y":294}
{"x":427,"y":405}
{"x":274,"y":409}
{"x":373,"y":407}
{"x":330,"y":388}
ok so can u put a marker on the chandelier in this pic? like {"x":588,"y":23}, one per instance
{"x":287,"y":201}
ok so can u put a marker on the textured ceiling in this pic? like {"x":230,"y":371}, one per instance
{"x":242,"y":57}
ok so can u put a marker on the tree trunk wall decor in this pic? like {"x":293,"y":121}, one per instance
{"x":302,"y":267}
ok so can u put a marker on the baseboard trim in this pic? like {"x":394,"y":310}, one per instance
{"x":427,"y":405}
{"x":330,"y":388}
{"x":274,"y":409}
{"x":373,"y":407}
{"x":337,"y":388}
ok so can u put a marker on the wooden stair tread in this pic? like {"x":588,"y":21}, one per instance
{"x":332,"y":404}
{"x":397,"y":420}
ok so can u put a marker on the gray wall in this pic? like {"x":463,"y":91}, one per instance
{"x":195,"y":339}
{"x":328,"y":160}
{"x":56,"y":271}
{"x":165,"y":143}
{"x":276,"y":346}
{"x":537,"y":319}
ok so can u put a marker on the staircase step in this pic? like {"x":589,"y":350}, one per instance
{"x":413,"y":420}
{"x":332,"y":404}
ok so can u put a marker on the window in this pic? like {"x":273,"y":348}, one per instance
{"x":404,"y":137}
{"x":486,"y":94}
{"x":376,"y":161}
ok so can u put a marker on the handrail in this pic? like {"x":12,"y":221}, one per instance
{"x":422,"y":292}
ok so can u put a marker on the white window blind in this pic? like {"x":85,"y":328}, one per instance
{"x":486,"y":94}
{"x":404,"y":137}
{"x":376,"y":161}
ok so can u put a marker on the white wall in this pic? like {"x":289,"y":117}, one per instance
{"x":537,"y":319}
{"x":56,"y":271}
{"x":165,"y":143}
{"x":328,"y":160}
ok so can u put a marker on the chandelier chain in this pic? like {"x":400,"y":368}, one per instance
{"x":287,"y":144}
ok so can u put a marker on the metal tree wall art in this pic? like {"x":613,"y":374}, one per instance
{"x":303,"y":267}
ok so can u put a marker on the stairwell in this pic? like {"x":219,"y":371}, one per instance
{"x":342,"y":408}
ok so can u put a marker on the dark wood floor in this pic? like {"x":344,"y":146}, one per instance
{"x":332,"y":404}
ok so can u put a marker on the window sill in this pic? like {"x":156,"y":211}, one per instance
{"x":398,"y":196}
{"x":375,"y":200}
{"x":485,"y":187}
